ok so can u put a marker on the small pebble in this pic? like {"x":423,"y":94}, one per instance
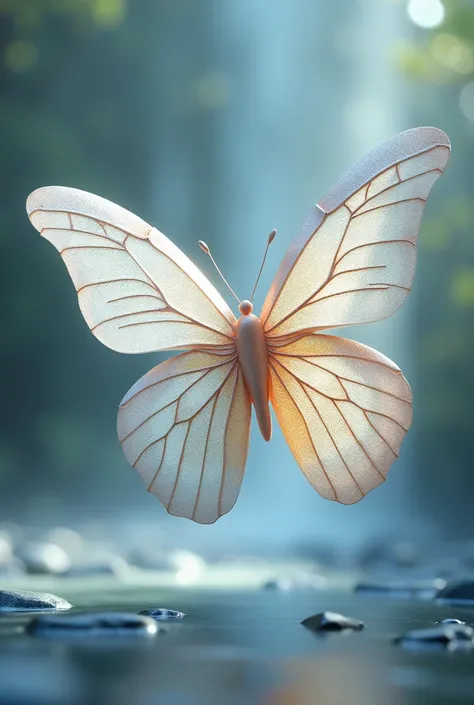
{"x":161,"y":613}
{"x":460,"y":592}
{"x":25,"y":601}
{"x":444,"y":635}
{"x":100,"y":624}
{"x":331,"y":622}
{"x":44,"y":558}
{"x":423,"y":590}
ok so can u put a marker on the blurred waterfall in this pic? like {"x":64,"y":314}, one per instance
{"x":291,"y":106}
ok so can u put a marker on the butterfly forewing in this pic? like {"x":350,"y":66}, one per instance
{"x":185,"y":427}
{"x":354,"y":260}
{"x":137,"y":291}
{"x":344,"y":410}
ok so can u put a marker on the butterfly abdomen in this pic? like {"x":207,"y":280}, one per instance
{"x":252,"y":351}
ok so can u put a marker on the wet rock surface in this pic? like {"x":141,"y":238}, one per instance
{"x":461,"y":591}
{"x":331,"y":622}
{"x":422,"y":590}
{"x":100,"y":624}
{"x":27,"y":601}
{"x":162,"y":613}
{"x":442,"y":635}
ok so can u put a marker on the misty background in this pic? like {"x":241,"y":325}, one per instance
{"x":220,"y":121}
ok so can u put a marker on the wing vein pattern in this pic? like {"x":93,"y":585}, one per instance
{"x":137,"y":291}
{"x":344,"y":410}
{"x":354,"y":259}
{"x":185,"y":428}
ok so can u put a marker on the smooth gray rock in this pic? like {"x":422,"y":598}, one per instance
{"x":25,"y":601}
{"x":162,"y":613}
{"x":443,"y":635}
{"x":421,"y":589}
{"x":451,"y":620}
{"x":331,"y":622}
{"x":91,"y":625}
{"x":41,"y":558}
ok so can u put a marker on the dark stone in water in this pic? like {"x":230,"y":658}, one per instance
{"x":443,"y":635}
{"x":100,"y":624}
{"x":161,"y":613}
{"x":25,"y":601}
{"x":331,"y":622}
{"x":462,"y":591}
{"x":424,"y":590}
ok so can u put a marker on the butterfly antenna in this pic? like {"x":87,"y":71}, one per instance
{"x":206,"y":249}
{"x":271,"y":237}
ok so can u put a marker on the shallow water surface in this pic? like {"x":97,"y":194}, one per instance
{"x":236,"y":647}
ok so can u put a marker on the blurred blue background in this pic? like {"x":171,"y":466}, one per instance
{"x":220,"y":121}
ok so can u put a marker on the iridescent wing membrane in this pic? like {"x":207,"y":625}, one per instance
{"x":139,"y":293}
{"x":344,"y":408}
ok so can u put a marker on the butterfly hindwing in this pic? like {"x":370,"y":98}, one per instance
{"x":344,"y":410}
{"x":185,"y":427}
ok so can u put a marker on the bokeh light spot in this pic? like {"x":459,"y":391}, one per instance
{"x":109,"y":14}
{"x":21,"y":56}
{"x":462,"y":288}
{"x":453,"y":52}
{"x":426,"y":13}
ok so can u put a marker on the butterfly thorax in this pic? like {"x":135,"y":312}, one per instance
{"x":252,"y":351}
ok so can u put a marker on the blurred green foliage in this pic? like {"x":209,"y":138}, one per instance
{"x":444,"y":332}
{"x":63,"y":120}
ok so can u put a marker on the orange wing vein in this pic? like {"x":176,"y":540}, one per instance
{"x":185,"y":428}
{"x":137,"y":291}
{"x":344,"y":410}
{"x":354,"y":259}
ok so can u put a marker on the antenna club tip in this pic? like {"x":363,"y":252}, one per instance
{"x":203,"y":246}
{"x":272,"y":236}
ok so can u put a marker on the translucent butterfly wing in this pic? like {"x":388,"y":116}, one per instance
{"x":344,"y":410}
{"x":354,"y":259}
{"x":185,"y":427}
{"x":137,"y":291}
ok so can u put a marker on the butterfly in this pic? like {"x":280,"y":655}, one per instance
{"x":343,"y":408}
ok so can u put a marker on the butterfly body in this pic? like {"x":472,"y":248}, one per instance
{"x":343,"y":407}
{"x":253,"y":359}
